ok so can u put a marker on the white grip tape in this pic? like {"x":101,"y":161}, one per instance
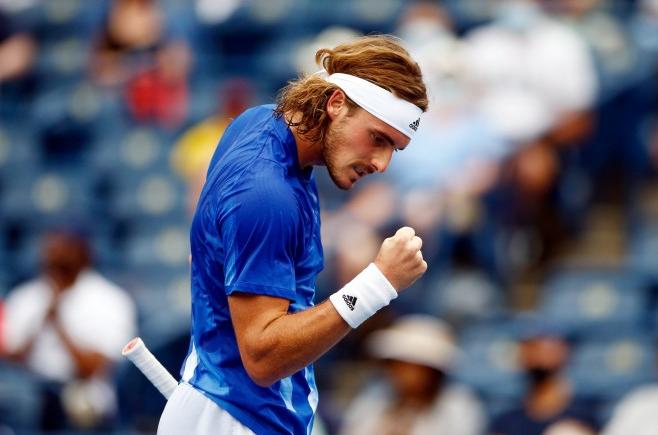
{"x":155,"y":372}
{"x":362,"y":297}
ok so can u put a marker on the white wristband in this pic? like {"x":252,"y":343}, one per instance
{"x":362,"y":297}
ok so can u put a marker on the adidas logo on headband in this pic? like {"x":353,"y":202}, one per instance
{"x":414,"y":125}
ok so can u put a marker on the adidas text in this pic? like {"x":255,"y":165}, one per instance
{"x":350,"y":301}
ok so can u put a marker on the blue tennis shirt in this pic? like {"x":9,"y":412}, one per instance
{"x":256,"y":230}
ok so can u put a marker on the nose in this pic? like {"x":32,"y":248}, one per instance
{"x":381,"y":160}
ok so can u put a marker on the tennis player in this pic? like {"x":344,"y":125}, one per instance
{"x":256,"y":248}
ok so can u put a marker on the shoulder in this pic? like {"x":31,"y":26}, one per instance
{"x":640,"y":396}
{"x":263,"y":193}
{"x":257,"y":116}
{"x":28,"y":291}
{"x":94,"y":285}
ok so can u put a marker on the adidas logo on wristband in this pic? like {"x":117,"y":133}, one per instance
{"x":350,"y":301}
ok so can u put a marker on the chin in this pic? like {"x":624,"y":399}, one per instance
{"x":341,"y":183}
{"x":347,"y":185}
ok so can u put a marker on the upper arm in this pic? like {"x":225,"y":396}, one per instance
{"x":259,"y":234}
{"x":251,"y":314}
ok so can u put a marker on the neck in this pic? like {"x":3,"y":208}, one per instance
{"x":308,"y":153}
{"x":549,"y":398}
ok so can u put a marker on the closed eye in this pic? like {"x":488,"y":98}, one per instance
{"x":382,"y":139}
{"x":379,"y":140}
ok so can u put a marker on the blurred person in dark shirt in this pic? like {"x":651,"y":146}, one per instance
{"x":549,"y":398}
{"x":158,"y":94}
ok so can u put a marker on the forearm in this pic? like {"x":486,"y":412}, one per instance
{"x":87,"y":362}
{"x":286,"y":343}
{"x":20,"y":354}
{"x":274,"y":344}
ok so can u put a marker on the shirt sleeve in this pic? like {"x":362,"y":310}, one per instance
{"x":259,"y":233}
{"x":24,"y":311}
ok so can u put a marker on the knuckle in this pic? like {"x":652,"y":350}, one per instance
{"x":406,"y":232}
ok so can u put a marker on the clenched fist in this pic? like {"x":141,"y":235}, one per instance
{"x":400,"y":258}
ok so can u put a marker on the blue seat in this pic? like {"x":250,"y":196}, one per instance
{"x":463,"y":296}
{"x":596,"y":299}
{"x":643,"y":250}
{"x":488,"y":361}
{"x":65,"y":18}
{"x":158,"y":243}
{"x":608,"y":367}
{"x":45,"y":195}
{"x":154,"y":194}
{"x":17,"y":145}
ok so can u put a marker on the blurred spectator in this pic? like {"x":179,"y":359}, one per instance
{"x":68,"y":327}
{"x":524,"y":206}
{"x":549,"y":399}
{"x":602,"y":32}
{"x":415,"y":397}
{"x":132,"y":28}
{"x":452,"y":161}
{"x":192,"y":152}
{"x":513,"y":62}
{"x":17,"y":49}
{"x":158,"y":94}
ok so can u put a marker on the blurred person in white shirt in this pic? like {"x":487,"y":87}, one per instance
{"x":534,"y":74}
{"x":68,"y":326}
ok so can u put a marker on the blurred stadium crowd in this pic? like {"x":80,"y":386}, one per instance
{"x":532,"y":182}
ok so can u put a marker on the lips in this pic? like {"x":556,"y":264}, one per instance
{"x":360,"y":171}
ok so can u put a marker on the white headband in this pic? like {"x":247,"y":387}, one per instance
{"x":396,"y":112}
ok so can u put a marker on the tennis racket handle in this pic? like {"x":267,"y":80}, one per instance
{"x":137,"y":352}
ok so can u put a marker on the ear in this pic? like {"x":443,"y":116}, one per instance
{"x":336,"y":103}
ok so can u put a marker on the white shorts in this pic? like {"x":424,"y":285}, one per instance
{"x":189,"y":412}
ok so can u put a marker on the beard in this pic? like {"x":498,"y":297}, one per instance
{"x":334,"y":137}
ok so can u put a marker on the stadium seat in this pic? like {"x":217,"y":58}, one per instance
{"x":643,"y":250}
{"x":596,"y":299}
{"x":163,"y":245}
{"x":153,"y":194}
{"x":488,"y":360}
{"x":608,"y":367}
{"x":66,"y":18}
